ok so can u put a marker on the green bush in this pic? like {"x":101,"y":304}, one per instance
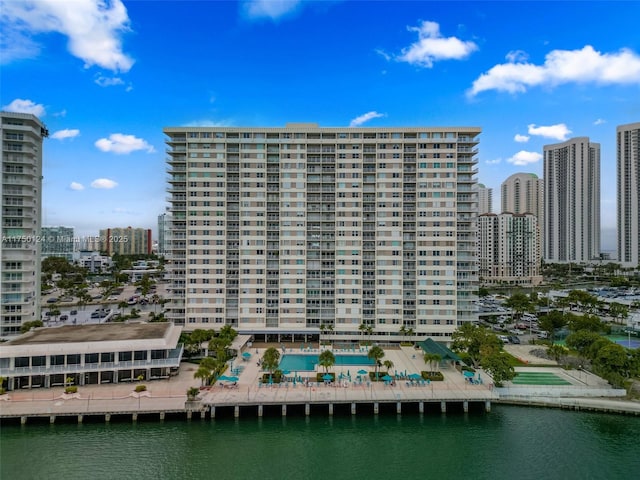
{"x":71,"y":389}
{"x":192,"y":393}
{"x":372,"y":376}
{"x":141,"y":388}
{"x":276,"y":377}
{"x":433,"y":376}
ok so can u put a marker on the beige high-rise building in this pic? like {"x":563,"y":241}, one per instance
{"x":21,"y":193}
{"x":126,"y":241}
{"x":524,"y":193}
{"x":485,"y":199}
{"x":509,"y":252}
{"x":572,"y":201}
{"x":628,"y":164}
{"x":279,"y":231}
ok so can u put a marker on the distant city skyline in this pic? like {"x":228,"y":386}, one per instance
{"x":502,"y":66}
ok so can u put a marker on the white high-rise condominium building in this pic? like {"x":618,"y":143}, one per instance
{"x":509,"y":251}
{"x":485,"y":199}
{"x":628,"y":155}
{"x":282,"y":230}
{"x":572,"y":201}
{"x":21,"y":194}
{"x":58,"y":242}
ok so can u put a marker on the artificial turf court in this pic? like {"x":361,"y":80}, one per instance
{"x":538,"y":378}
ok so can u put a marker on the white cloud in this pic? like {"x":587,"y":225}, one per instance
{"x":76,"y":186}
{"x":120,"y":144}
{"x":93,"y":29}
{"x":66,"y":133}
{"x":561,"y":66}
{"x":356,"y":122}
{"x":557,"y":132}
{"x":521,"y":138}
{"x":517,"y":56}
{"x":493,"y":162}
{"x":524,"y":158}
{"x":273,"y":9}
{"x":25,"y":106}
{"x":108,"y":81}
{"x":61,"y":113}
{"x":432,"y":46}
{"x":104,"y":183}
{"x":599,"y":121}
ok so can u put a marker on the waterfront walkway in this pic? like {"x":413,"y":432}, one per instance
{"x":169,"y":396}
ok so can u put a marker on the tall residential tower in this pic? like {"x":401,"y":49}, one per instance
{"x":279,"y":231}
{"x":572,"y":201}
{"x":628,"y":156}
{"x":21,"y":193}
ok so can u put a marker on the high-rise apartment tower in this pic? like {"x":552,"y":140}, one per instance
{"x":21,"y":194}
{"x":628,"y":156}
{"x":572,"y":201}
{"x":287,"y":231}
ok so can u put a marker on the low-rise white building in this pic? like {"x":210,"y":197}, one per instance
{"x":91,"y":354}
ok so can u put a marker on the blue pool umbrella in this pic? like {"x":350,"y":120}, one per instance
{"x":232,"y":379}
{"x":415,"y":376}
{"x":468,"y":374}
{"x":387,"y":378}
{"x":327,"y":377}
{"x":246,"y":355}
{"x":223,"y":378}
{"x":286,"y":372}
{"x":362,"y":372}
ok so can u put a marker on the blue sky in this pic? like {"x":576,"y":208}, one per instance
{"x":107,"y":76}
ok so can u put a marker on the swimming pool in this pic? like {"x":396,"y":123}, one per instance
{"x":307,"y":363}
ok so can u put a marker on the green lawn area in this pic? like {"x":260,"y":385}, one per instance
{"x":538,"y":378}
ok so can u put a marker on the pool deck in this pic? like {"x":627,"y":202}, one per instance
{"x":169,"y":396}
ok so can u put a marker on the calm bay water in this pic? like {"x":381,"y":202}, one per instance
{"x":508,"y":443}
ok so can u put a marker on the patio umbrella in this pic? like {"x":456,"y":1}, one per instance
{"x":223,"y":378}
{"x":387,"y":378}
{"x":232,"y":379}
{"x":246,"y":355}
{"x":327,"y":377}
{"x":468,"y":374}
{"x":415,"y":376}
{"x":362,"y":372}
{"x":286,"y":372}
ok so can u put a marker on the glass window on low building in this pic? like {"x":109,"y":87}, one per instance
{"x":73,"y":359}
{"x":158,"y":354}
{"x":106,"y":357}
{"x":91,"y":358}
{"x":140,"y":355}
{"x":124,"y":356}
{"x":39,"y":361}
{"x":57,"y":359}
{"x":22,"y":362}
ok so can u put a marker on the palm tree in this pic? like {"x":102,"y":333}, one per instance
{"x":369,"y":332}
{"x":376,"y":354}
{"x":330,"y":328}
{"x":388,"y":364}
{"x":363,"y":328}
{"x":122,"y":305}
{"x":410,"y":333}
{"x":327,"y":360}
{"x":432,"y":359}
{"x":323,"y":329}
{"x":270,"y":359}
{"x":403,"y":332}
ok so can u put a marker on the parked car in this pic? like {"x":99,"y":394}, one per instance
{"x":504,"y":339}
{"x":64,"y":318}
{"x":95,"y":314}
{"x":515,"y":340}
{"x":73,"y":312}
{"x":66,"y":299}
{"x":543,"y":335}
{"x":52,"y":300}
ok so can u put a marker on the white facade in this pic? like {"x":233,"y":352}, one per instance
{"x":21,"y":193}
{"x":485,"y":199}
{"x":523,"y":193}
{"x":281,"y":230}
{"x":572,"y":201}
{"x":164,"y":231}
{"x":509,"y":252}
{"x":628,"y":164}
